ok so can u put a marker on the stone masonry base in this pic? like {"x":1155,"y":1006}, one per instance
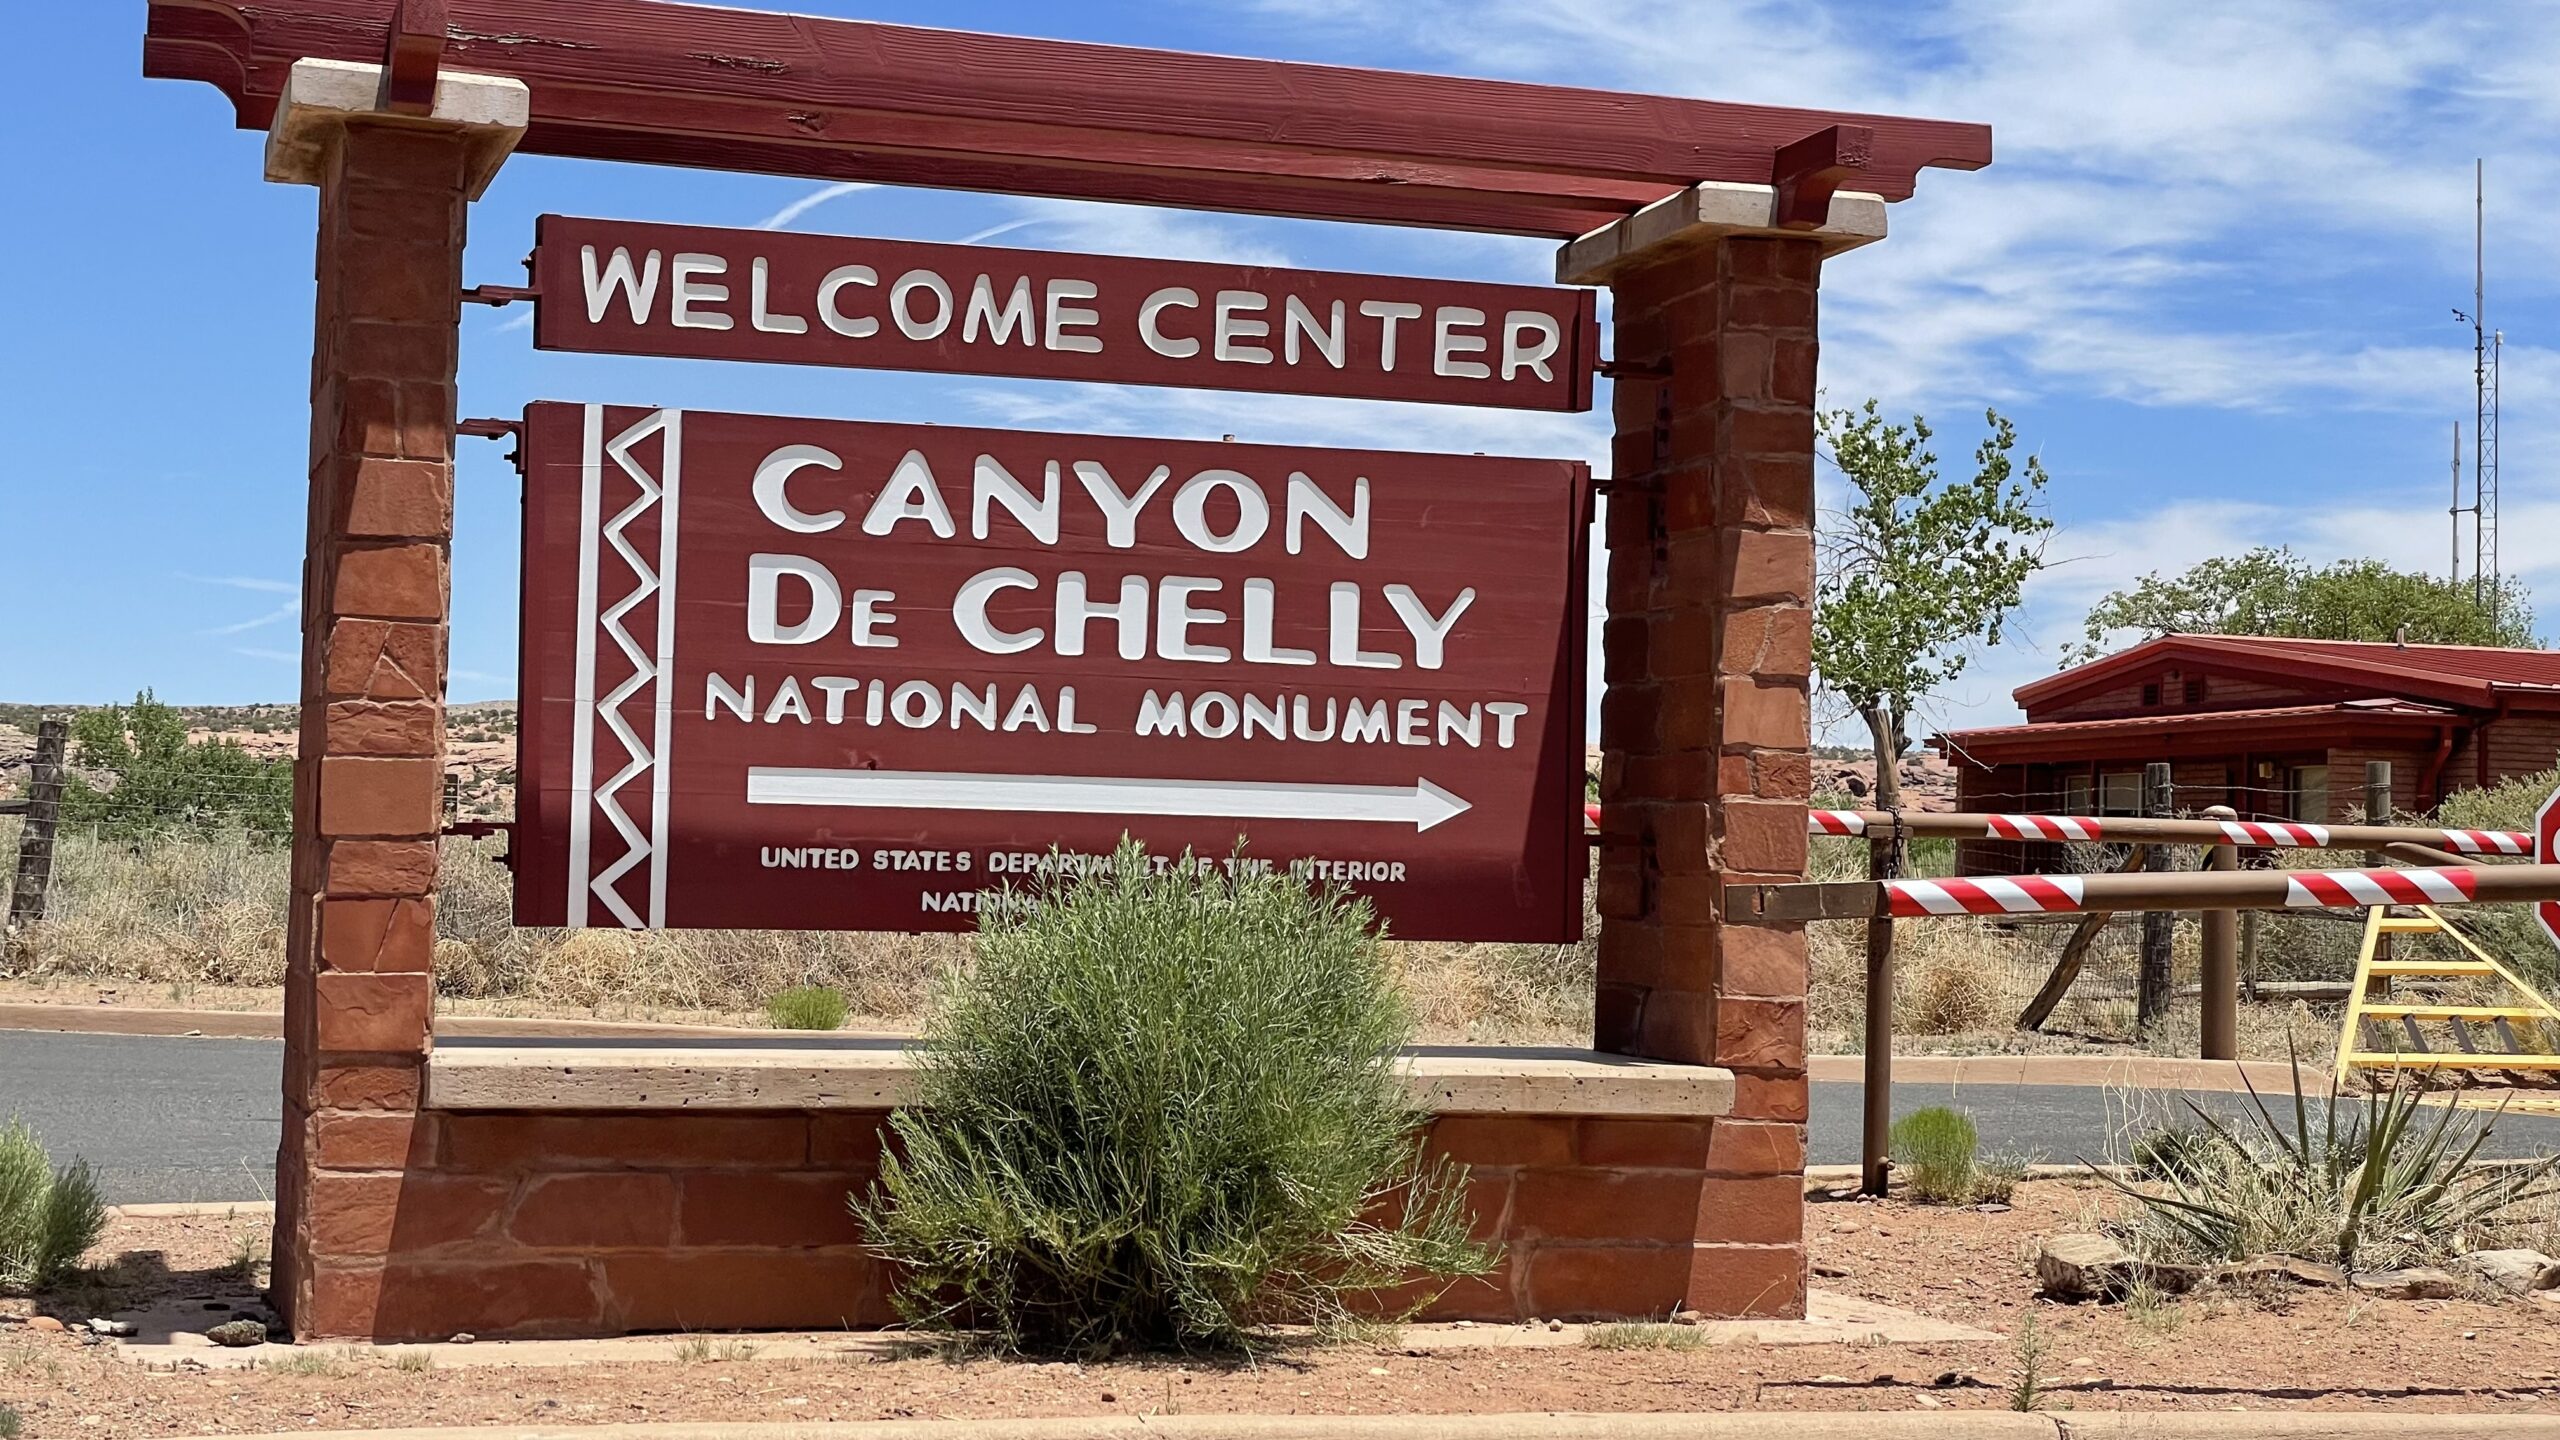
{"x":586,"y":1224}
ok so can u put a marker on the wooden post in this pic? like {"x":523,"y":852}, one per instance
{"x":2377,"y":811}
{"x":2158,"y":926}
{"x":1878,"y":1123}
{"x":35,"y":835}
{"x":2221,"y":967}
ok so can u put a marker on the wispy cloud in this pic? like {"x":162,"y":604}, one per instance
{"x":286,"y":611}
{"x":781,"y":219}
{"x":980,"y":237}
{"x":246,"y":582}
{"x":281,"y":657}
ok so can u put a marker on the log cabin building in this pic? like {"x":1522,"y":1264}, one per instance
{"x":2275,"y":728}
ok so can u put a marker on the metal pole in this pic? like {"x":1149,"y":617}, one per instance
{"x":2221,"y":958}
{"x":1877,"y":1125}
{"x":2377,"y":811}
{"x":2137,"y":829}
{"x":2159,"y":927}
{"x":35,"y":837}
{"x":2346,"y":889}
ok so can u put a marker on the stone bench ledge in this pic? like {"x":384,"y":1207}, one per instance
{"x":879,"y":1073}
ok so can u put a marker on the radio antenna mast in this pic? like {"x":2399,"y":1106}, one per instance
{"x":2483,"y":508}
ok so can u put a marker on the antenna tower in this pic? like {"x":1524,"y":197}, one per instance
{"x":2486,"y":346}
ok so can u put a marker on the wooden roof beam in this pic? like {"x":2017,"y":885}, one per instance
{"x":753,"y":91}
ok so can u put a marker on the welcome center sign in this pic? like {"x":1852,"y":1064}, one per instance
{"x":798,"y":673}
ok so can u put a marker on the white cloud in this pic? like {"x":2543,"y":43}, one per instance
{"x":281,"y":657}
{"x":246,"y":582}
{"x":781,"y":219}
{"x":286,"y":611}
{"x":2142,"y":147}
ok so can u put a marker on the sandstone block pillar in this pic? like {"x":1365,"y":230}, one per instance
{"x":1704,"y":716}
{"x":368,"y":781}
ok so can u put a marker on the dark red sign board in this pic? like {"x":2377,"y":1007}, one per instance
{"x":628,"y":288}
{"x":821,"y":674}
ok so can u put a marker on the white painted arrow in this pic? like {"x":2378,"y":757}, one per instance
{"x":1421,"y":804}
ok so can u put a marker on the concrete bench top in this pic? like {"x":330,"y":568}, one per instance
{"x":879,"y":1072}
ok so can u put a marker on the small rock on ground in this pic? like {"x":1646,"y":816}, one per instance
{"x":2093,"y":1267}
{"x":2515,"y":1271}
{"x":2423,"y":1282}
{"x":237,"y":1333}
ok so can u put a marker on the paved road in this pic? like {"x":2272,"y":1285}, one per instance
{"x":195,"y":1119}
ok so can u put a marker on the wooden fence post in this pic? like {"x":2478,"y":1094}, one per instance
{"x":44,"y":813}
{"x":2221,"y":953}
{"x":2377,"y":811}
{"x":1877,"y":1128}
{"x":2151,"y":1004}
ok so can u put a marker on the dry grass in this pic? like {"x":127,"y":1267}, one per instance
{"x":186,"y":912}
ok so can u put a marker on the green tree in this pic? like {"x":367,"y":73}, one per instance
{"x":159,"y":780}
{"x":1918,"y":571}
{"x":2272,"y":591}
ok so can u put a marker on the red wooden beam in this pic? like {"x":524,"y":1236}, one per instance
{"x":412,"y":54}
{"x":848,"y":99}
{"x":1807,"y":172}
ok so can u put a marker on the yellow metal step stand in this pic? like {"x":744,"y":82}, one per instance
{"x":2354,"y":1049}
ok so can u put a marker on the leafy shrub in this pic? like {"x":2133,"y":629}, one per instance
{"x":1164,"y":1108}
{"x":1934,"y":1149}
{"x":807,"y":1007}
{"x":2385,"y":1186}
{"x":9,"y":1422}
{"x":2506,"y":931}
{"x":48,"y":1217}
{"x":160,"y":781}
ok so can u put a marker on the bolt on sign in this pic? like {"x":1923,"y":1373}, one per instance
{"x":819,"y":674}
{"x":690,"y":292}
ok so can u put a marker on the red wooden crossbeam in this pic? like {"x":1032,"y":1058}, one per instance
{"x":857,"y":100}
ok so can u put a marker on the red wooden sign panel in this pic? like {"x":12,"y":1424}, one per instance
{"x":821,"y":674}
{"x":629,"y":288}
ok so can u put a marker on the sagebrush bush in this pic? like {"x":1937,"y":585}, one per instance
{"x":1934,"y":1150}
{"x":48,"y":1217}
{"x":1163,"y":1108}
{"x":807,"y":1007}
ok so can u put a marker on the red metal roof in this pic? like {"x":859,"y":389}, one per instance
{"x":2185,"y":732}
{"x":2462,"y":674}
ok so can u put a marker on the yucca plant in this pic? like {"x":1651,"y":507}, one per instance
{"x":48,"y":1217}
{"x":1163,"y":1108}
{"x":2358,"y":1183}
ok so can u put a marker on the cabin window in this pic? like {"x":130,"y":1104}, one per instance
{"x":2311,"y":793}
{"x":2195,"y":691}
{"x":2151,"y":695}
{"x":2075,"y":794}
{"x":2120,"y":794}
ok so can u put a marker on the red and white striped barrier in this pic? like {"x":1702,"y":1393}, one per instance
{"x":1989,"y":895}
{"x":1834,"y":822}
{"x":2488,"y":842}
{"x":2276,"y":832}
{"x":2343,"y":889}
{"x":2042,"y":827}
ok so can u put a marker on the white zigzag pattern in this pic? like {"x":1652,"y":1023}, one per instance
{"x":639,"y":844}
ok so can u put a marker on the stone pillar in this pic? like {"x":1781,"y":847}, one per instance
{"x":368,"y":778}
{"x":1704,"y":718}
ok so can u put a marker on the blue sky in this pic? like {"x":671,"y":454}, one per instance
{"x":2210,"y":275}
